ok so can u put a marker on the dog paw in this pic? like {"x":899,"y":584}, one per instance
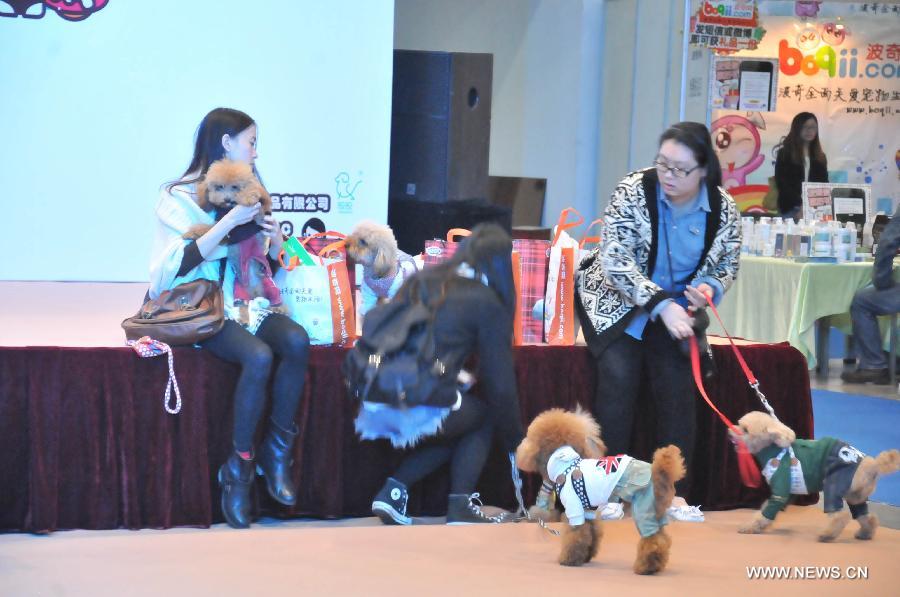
{"x":826,"y":537}
{"x":538,"y":513}
{"x":750,"y":529}
{"x":570,"y":560}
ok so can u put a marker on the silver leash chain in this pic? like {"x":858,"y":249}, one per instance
{"x":522,"y":513}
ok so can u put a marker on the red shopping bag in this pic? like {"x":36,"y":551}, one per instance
{"x":559,"y":308}
{"x":530,"y":266}
{"x":440,"y":250}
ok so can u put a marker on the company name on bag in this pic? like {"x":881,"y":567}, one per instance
{"x":792,"y":61}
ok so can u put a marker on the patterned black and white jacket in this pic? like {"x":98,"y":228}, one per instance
{"x":613,"y":280}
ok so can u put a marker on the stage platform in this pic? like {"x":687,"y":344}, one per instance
{"x":85,"y":442}
{"x":361,"y":556}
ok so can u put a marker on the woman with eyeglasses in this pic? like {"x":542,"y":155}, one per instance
{"x":799,"y":159}
{"x":670,"y":235}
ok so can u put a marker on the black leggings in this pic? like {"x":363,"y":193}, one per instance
{"x":464,"y":440}
{"x":621,"y":368}
{"x":277,"y":335}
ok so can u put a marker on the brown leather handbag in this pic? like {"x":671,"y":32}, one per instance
{"x":185,"y":315}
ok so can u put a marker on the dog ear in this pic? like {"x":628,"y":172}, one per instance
{"x":265,"y":201}
{"x":526,"y":456}
{"x":595,"y":448}
{"x":781,"y":434}
{"x":382,"y":263}
{"x":202,"y":194}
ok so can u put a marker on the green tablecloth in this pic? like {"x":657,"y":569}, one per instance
{"x":774,"y":300}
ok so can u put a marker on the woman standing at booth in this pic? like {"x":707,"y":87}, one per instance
{"x":671,"y":235}
{"x":799,"y":159}
{"x":231,"y":134}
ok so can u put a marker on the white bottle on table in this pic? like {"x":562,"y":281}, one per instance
{"x":852,"y":240}
{"x":747,"y":238}
{"x":763,"y":230}
{"x":821,"y":245}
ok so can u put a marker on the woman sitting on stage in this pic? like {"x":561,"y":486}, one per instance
{"x":227,"y":133}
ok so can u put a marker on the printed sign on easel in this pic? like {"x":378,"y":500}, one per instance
{"x":841,"y":202}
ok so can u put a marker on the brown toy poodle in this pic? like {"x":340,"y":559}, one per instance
{"x":385,"y":266}
{"x":228,"y":183}
{"x":798,"y":466}
{"x":566,"y":449}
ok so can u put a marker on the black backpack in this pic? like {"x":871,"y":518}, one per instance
{"x":395,"y":362}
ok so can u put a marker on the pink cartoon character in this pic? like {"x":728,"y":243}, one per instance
{"x":807,"y":8}
{"x":737,"y":144}
{"x":75,"y":10}
{"x":833,"y":34}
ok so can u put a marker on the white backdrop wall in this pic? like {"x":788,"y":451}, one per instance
{"x":546,"y":86}
{"x":99,"y":113}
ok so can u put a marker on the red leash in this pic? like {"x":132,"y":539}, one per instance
{"x":746,"y":464}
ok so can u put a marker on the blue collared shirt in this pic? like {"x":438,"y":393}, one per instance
{"x":680,"y":233}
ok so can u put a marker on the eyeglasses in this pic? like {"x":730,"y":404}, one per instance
{"x":662,"y":168}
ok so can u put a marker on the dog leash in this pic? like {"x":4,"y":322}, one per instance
{"x":751,"y":379}
{"x":148,"y":347}
{"x":522,"y":513}
{"x":746,"y":464}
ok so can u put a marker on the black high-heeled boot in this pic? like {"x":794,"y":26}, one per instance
{"x":274,"y":462}
{"x":236,"y":481}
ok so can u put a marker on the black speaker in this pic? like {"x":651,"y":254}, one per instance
{"x":414,"y":221}
{"x":440,"y":125}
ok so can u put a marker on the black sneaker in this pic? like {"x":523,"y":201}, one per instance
{"x":466,"y":509}
{"x":881,"y":377}
{"x":390,"y":503}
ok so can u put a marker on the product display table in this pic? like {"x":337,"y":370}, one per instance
{"x":777,"y":300}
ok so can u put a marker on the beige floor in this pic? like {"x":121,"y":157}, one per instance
{"x":361,"y":557}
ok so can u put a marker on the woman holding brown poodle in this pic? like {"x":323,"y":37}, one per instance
{"x":227,"y":133}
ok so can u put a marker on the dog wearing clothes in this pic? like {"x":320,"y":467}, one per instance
{"x":798,"y":467}
{"x":565,"y":447}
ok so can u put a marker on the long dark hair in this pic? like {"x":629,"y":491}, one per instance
{"x":793,"y":142}
{"x":488,"y":251}
{"x":695,"y":136}
{"x":208,"y":142}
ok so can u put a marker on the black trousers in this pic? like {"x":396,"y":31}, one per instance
{"x":277,"y":336}
{"x":621,"y":369}
{"x":464,"y":440}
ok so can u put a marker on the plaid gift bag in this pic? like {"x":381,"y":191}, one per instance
{"x":559,"y":308}
{"x":530,"y":267}
{"x":439,"y":250}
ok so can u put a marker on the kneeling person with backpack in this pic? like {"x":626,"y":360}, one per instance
{"x":406,"y":370}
